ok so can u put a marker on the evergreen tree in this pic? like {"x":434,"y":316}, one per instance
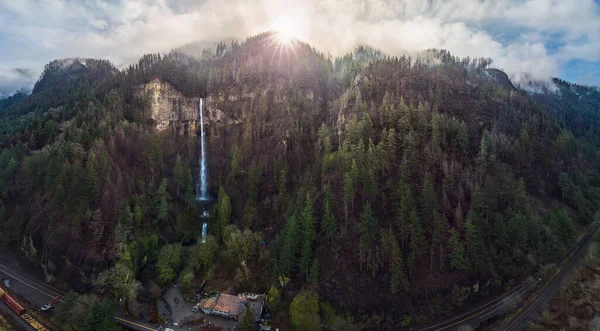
{"x":398,"y":276}
{"x":91,"y":179}
{"x":224,"y":213}
{"x":308,"y":235}
{"x":403,"y":216}
{"x":503,"y":240}
{"x":458,"y":259}
{"x":99,"y":317}
{"x":329,"y":223}
{"x":459,"y":217}
{"x":437,"y":239}
{"x":248,"y":323}
{"x":428,"y":203}
{"x":517,"y":227}
{"x":350,"y":180}
{"x":189,"y":187}
{"x":253,"y":181}
{"x":179,"y":173}
{"x":476,"y":250}
{"x":418,"y":244}
{"x":562,"y":226}
{"x":160,"y":201}
{"x":368,"y":237}
{"x":288,"y":246}
{"x":313,"y":276}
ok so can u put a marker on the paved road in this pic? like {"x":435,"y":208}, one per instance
{"x":36,"y":292}
{"x":521,"y":320}
{"x":506,"y":302}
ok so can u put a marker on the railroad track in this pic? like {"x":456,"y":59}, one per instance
{"x":481,"y":313}
{"x":488,"y":308}
{"x":579,"y":251}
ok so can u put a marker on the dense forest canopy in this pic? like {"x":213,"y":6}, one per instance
{"x":404,"y":176}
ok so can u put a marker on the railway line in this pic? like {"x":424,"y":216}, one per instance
{"x":497,"y":306}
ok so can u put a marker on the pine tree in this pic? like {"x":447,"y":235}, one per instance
{"x":462,"y":138}
{"x":179,"y":173}
{"x":459,"y":217}
{"x":224,"y":213}
{"x":458,"y":259}
{"x":313,"y":276}
{"x":248,"y":323}
{"x":407,"y":204}
{"x":189,"y":187}
{"x":476,"y":250}
{"x":517,"y":228}
{"x":566,"y":226}
{"x":350,"y":180}
{"x":428,"y":202}
{"x":398,"y":276}
{"x":253,"y":181}
{"x":329,"y":224}
{"x":437,"y":239}
{"x":418,"y":244}
{"x":91,"y":179}
{"x":308,"y":235}
{"x":160,"y":201}
{"x":368,"y":236}
{"x":503,"y":240}
{"x":288,"y":247}
{"x":385,"y":118}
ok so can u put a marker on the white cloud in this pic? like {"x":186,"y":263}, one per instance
{"x":37,"y":31}
{"x":12,"y":79}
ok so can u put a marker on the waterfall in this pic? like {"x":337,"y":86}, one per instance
{"x":202,"y":185}
{"x":204,"y":227}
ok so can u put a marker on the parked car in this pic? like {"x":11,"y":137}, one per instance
{"x":196,"y":308}
{"x":6,"y":282}
{"x":46,"y":308}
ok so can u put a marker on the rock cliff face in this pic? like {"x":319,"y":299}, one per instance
{"x":169,"y":109}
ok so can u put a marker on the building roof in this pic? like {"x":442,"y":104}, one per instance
{"x":254,"y":302}
{"x":208,"y":303}
{"x":230,"y":304}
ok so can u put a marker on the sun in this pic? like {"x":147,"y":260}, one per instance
{"x":284,"y":36}
{"x":286,"y":29}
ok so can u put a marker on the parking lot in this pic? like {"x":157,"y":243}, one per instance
{"x":181,"y":309}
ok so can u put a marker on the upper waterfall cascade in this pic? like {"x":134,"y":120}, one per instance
{"x":202,"y":185}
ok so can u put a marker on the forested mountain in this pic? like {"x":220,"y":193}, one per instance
{"x":374,"y":183}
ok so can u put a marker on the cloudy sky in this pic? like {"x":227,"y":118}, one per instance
{"x":541,"y":37}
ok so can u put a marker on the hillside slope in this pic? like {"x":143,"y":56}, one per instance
{"x":387,"y":179}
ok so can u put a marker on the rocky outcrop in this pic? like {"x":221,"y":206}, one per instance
{"x":170,"y":109}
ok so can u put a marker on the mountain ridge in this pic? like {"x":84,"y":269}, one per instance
{"x":404,"y":179}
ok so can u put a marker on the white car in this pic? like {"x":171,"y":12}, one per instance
{"x":46,"y":308}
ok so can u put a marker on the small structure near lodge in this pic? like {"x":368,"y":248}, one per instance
{"x":233,"y":306}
